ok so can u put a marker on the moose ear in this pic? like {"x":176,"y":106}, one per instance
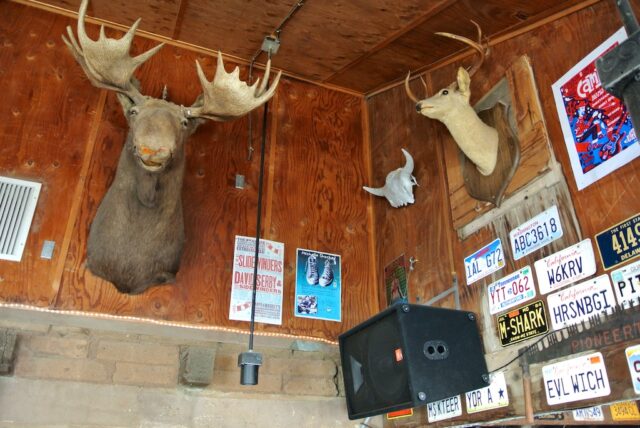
{"x":464,"y":81}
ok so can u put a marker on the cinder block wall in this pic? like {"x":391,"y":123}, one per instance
{"x":71,"y":376}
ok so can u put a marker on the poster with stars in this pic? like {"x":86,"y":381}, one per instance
{"x":596,"y":125}
{"x":268,"y":281}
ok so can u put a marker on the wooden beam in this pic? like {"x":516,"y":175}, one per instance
{"x":499,"y":38}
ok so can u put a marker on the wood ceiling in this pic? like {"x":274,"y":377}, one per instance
{"x":357,"y":45}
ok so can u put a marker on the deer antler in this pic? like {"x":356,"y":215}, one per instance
{"x":482,"y":50}
{"x":227,"y":97}
{"x":106,"y":62}
{"x":475,"y":45}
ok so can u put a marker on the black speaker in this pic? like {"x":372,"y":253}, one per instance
{"x":408,"y":356}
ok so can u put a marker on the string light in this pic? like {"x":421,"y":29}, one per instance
{"x":177,"y":324}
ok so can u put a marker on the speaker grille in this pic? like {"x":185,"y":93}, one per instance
{"x":18,"y":200}
{"x":375,"y":369}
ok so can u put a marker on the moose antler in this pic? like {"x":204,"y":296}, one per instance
{"x":107,"y":62}
{"x":482,"y":50}
{"x":228,"y":97}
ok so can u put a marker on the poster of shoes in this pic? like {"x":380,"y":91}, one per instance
{"x":318,"y":285}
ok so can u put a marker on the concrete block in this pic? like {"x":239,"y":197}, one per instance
{"x":61,"y":368}
{"x":145,"y":374}
{"x":230,"y":381}
{"x":72,"y":348}
{"x":302,"y":385}
{"x":133,"y":352}
{"x":196,"y":365}
{"x":7,"y":350}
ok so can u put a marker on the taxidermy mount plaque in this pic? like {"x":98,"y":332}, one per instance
{"x":137,"y":234}
{"x":495,"y":110}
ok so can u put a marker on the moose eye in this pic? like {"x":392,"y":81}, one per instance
{"x":445,"y":92}
{"x":184,"y":122}
{"x":133,"y":111}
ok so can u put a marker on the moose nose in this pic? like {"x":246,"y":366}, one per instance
{"x":418,"y":108}
{"x":154,"y":154}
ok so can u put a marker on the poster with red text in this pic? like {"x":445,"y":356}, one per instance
{"x":269,"y":281}
{"x":596,"y":125}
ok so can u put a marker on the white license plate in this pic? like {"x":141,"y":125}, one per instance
{"x":578,"y":303}
{"x":536,"y":233}
{"x":581,"y":378}
{"x":511,"y":291}
{"x":444,"y":409}
{"x":483,"y":262}
{"x":490,"y":397}
{"x":626,"y":284}
{"x":565,"y":267}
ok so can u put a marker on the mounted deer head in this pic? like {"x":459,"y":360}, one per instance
{"x":398,"y":186}
{"x":450,"y":105}
{"x":137,"y":235}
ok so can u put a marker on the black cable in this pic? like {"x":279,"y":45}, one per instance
{"x":259,"y":221}
{"x":521,"y":354}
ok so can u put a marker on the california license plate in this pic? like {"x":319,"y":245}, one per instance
{"x":523,"y":323}
{"x":536,"y":233}
{"x":485,"y":261}
{"x":565,"y":267}
{"x":510,"y":291}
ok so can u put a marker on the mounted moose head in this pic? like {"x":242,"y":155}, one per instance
{"x":398,"y":184}
{"x":450,"y":105}
{"x":137,"y":235}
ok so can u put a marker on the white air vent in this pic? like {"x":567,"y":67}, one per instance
{"x":18,"y":200}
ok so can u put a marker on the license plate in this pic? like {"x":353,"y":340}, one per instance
{"x":588,"y":414}
{"x":536,"y":233}
{"x":511,"y":291}
{"x":578,"y":303}
{"x":621,"y":243}
{"x":581,"y":378}
{"x":626,"y":284}
{"x":484,"y":262}
{"x":523,"y":323}
{"x":565,"y":267}
{"x":490,"y":397}
{"x":624,"y":411}
{"x":444,"y":409}
{"x":633,"y":360}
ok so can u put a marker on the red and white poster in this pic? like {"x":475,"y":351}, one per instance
{"x":596,"y":125}
{"x":269,"y":281}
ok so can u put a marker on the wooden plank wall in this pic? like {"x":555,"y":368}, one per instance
{"x":553,"y":49}
{"x":59,"y":130}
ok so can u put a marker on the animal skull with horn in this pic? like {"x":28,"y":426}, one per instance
{"x":137,"y":235}
{"x":450,"y":105}
{"x":398,"y":184}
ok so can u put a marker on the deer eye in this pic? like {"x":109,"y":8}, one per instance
{"x":133,"y":111}
{"x":445,"y":92}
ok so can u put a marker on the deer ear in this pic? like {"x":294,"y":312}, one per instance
{"x":464,"y":82}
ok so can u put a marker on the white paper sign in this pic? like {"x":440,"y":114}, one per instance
{"x":444,"y":409}
{"x":490,"y":397}
{"x":578,"y":303}
{"x":633,"y":360}
{"x":589,"y":414}
{"x":580,"y":378}
{"x":269,"y":281}
{"x":626,"y":284}
{"x":536,"y":233}
{"x":566,"y":266}
{"x":511,"y":291}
